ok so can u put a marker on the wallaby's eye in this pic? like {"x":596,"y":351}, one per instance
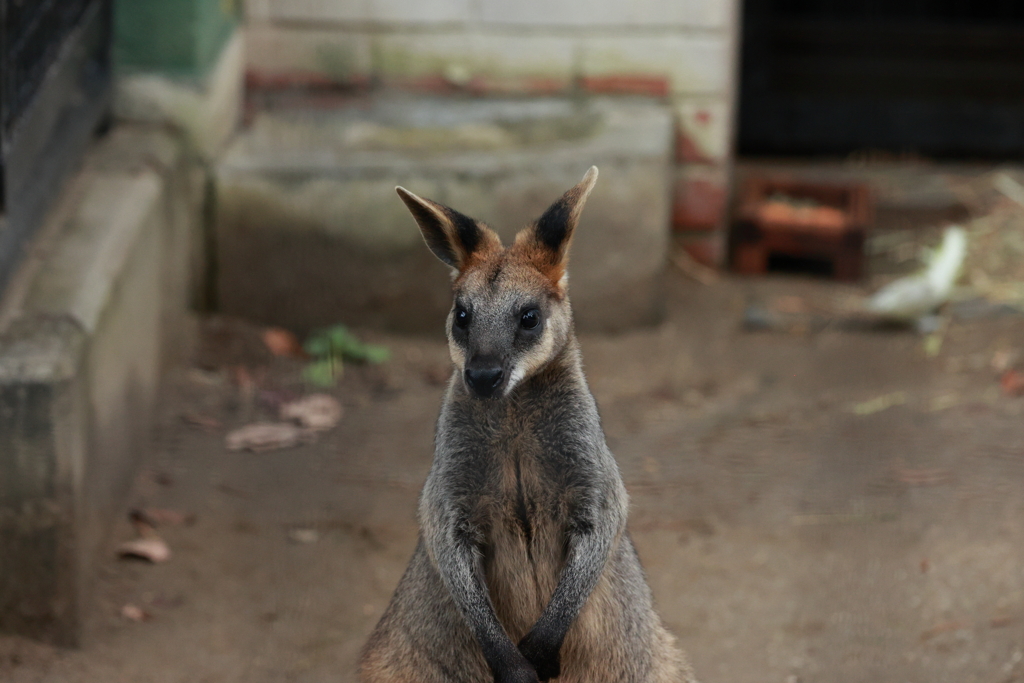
{"x":461,"y":318}
{"x":530,"y":319}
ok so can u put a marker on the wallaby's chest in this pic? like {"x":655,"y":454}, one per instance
{"x":522,"y":490}
{"x":524,"y":550}
{"x":520,"y":501}
{"x":527,"y":473}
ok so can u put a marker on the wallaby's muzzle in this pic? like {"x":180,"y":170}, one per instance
{"x":485,"y":376}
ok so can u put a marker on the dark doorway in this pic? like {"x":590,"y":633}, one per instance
{"x":940,"y":78}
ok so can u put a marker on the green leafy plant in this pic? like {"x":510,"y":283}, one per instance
{"x":331,"y":348}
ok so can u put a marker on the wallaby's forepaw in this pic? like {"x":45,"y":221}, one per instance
{"x":518,"y":674}
{"x":543,"y":654}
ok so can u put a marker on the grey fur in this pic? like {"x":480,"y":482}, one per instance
{"x":524,"y":569}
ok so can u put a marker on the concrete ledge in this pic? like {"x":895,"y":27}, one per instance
{"x":78,"y":279}
{"x":43,"y":440}
{"x":80,"y":358}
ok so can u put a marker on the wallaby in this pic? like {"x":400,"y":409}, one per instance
{"x":524,"y":570}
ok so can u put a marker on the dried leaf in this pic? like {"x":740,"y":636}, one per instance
{"x":281,"y":342}
{"x":152,"y":548}
{"x":943,"y":402}
{"x":163,"y":478}
{"x":1003,"y":359}
{"x":880,"y":403}
{"x":265,"y":436}
{"x":1009,"y":187}
{"x":134,"y":613}
{"x":944,"y":627}
{"x":1012,"y":383}
{"x":316,"y":411}
{"x":303,"y":536}
{"x":923,"y":477}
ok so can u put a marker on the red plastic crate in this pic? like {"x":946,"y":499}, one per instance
{"x":821,"y":221}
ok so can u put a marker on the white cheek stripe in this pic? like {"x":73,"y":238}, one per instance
{"x":535,"y":360}
{"x":458,"y":356}
{"x":515,"y":378}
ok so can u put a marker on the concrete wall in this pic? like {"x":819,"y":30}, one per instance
{"x":309,"y":231}
{"x":97,"y":308}
{"x":680,"y":50}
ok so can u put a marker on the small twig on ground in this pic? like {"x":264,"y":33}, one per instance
{"x":695,"y":271}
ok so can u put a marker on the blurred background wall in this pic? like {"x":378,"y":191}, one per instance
{"x":682,"y":51}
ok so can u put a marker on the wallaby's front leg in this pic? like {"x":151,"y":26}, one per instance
{"x":452,"y":545}
{"x":592,"y":533}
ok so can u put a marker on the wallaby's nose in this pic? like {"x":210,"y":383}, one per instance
{"x":484,"y":377}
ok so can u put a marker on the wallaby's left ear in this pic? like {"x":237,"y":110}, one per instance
{"x":451,"y":236}
{"x":551,"y":235}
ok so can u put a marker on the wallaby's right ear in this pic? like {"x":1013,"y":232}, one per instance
{"x":453,"y":237}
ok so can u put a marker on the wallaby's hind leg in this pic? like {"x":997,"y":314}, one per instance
{"x":658,"y":660}
{"x":618,"y":637}
{"x":670,"y":663}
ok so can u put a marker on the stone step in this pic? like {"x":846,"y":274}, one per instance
{"x":309,"y":231}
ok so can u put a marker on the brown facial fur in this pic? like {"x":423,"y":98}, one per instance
{"x":521,"y":266}
{"x":527,"y":251}
{"x":503,"y":281}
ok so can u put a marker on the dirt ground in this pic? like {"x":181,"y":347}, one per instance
{"x":813,"y":505}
